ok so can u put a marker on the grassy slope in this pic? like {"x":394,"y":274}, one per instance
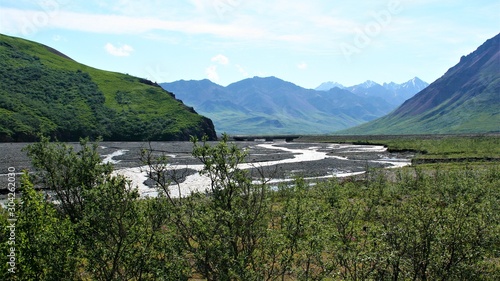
{"x":477,"y":115}
{"x":464,"y":100}
{"x":231,"y":121}
{"x":132,"y":109}
{"x":429,"y":148}
{"x":272,"y":106}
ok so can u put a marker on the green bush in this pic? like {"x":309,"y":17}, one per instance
{"x":416,"y":224}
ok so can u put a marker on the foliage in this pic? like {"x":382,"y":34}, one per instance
{"x":68,"y":173}
{"x":92,"y":228}
{"x":420,"y":225}
{"x":46,"y":92}
{"x":449,"y":147}
{"x":417,"y":224}
{"x":45,"y":243}
{"x":430,"y":148}
{"x":221,"y":229}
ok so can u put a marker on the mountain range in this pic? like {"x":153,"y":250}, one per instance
{"x":45,"y":92}
{"x":393,"y":93}
{"x":466,"y":99}
{"x":270,"y":105}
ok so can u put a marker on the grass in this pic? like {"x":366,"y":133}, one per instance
{"x":430,"y":148}
{"x":45,"y":92}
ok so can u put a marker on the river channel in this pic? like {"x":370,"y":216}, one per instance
{"x":275,"y":161}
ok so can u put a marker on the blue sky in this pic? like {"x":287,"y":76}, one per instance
{"x":304,"y":42}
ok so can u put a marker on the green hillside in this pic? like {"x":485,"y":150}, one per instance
{"x":466,"y":99}
{"x":44,"y":91}
{"x":269,"y":105}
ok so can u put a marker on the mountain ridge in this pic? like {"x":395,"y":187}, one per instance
{"x":46,"y":92}
{"x":391,"y":92}
{"x":325,"y":86}
{"x":466,"y":99}
{"x":270,"y":105}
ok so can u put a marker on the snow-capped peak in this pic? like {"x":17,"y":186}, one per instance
{"x":326,"y":86}
{"x":368,"y":84}
{"x":415,"y":83}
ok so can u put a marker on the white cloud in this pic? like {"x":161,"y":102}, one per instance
{"x":212,"y":73}
{"x":25,"y":22}
{"x":315,"y":26}
{"x":122,"y":51}
{"x":221,"y":59}
{"x":307,"y":26}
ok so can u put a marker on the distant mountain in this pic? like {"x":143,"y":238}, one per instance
{"x":402,"y":92}
{"x":394,"y":94}
{"x":367,"y":84}
{"x":45,"y":92}
{"x":273,"y":106}
{"x":415,"y":83}
{"x":466,"y":99}
{"x":326,"y":86}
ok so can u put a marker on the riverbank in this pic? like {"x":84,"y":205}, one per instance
{"x":278,"y":161}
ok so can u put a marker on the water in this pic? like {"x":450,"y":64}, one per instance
{"x":312,"y":157}
{"x":278,"y":161}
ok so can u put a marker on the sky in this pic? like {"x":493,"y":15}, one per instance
{"x":306,"y":42}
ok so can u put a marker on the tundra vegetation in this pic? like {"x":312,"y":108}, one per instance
{"x":43,"y":91}
{"x":418,"y":223}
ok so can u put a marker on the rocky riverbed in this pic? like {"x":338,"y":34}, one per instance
{"x":276,"y":161}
